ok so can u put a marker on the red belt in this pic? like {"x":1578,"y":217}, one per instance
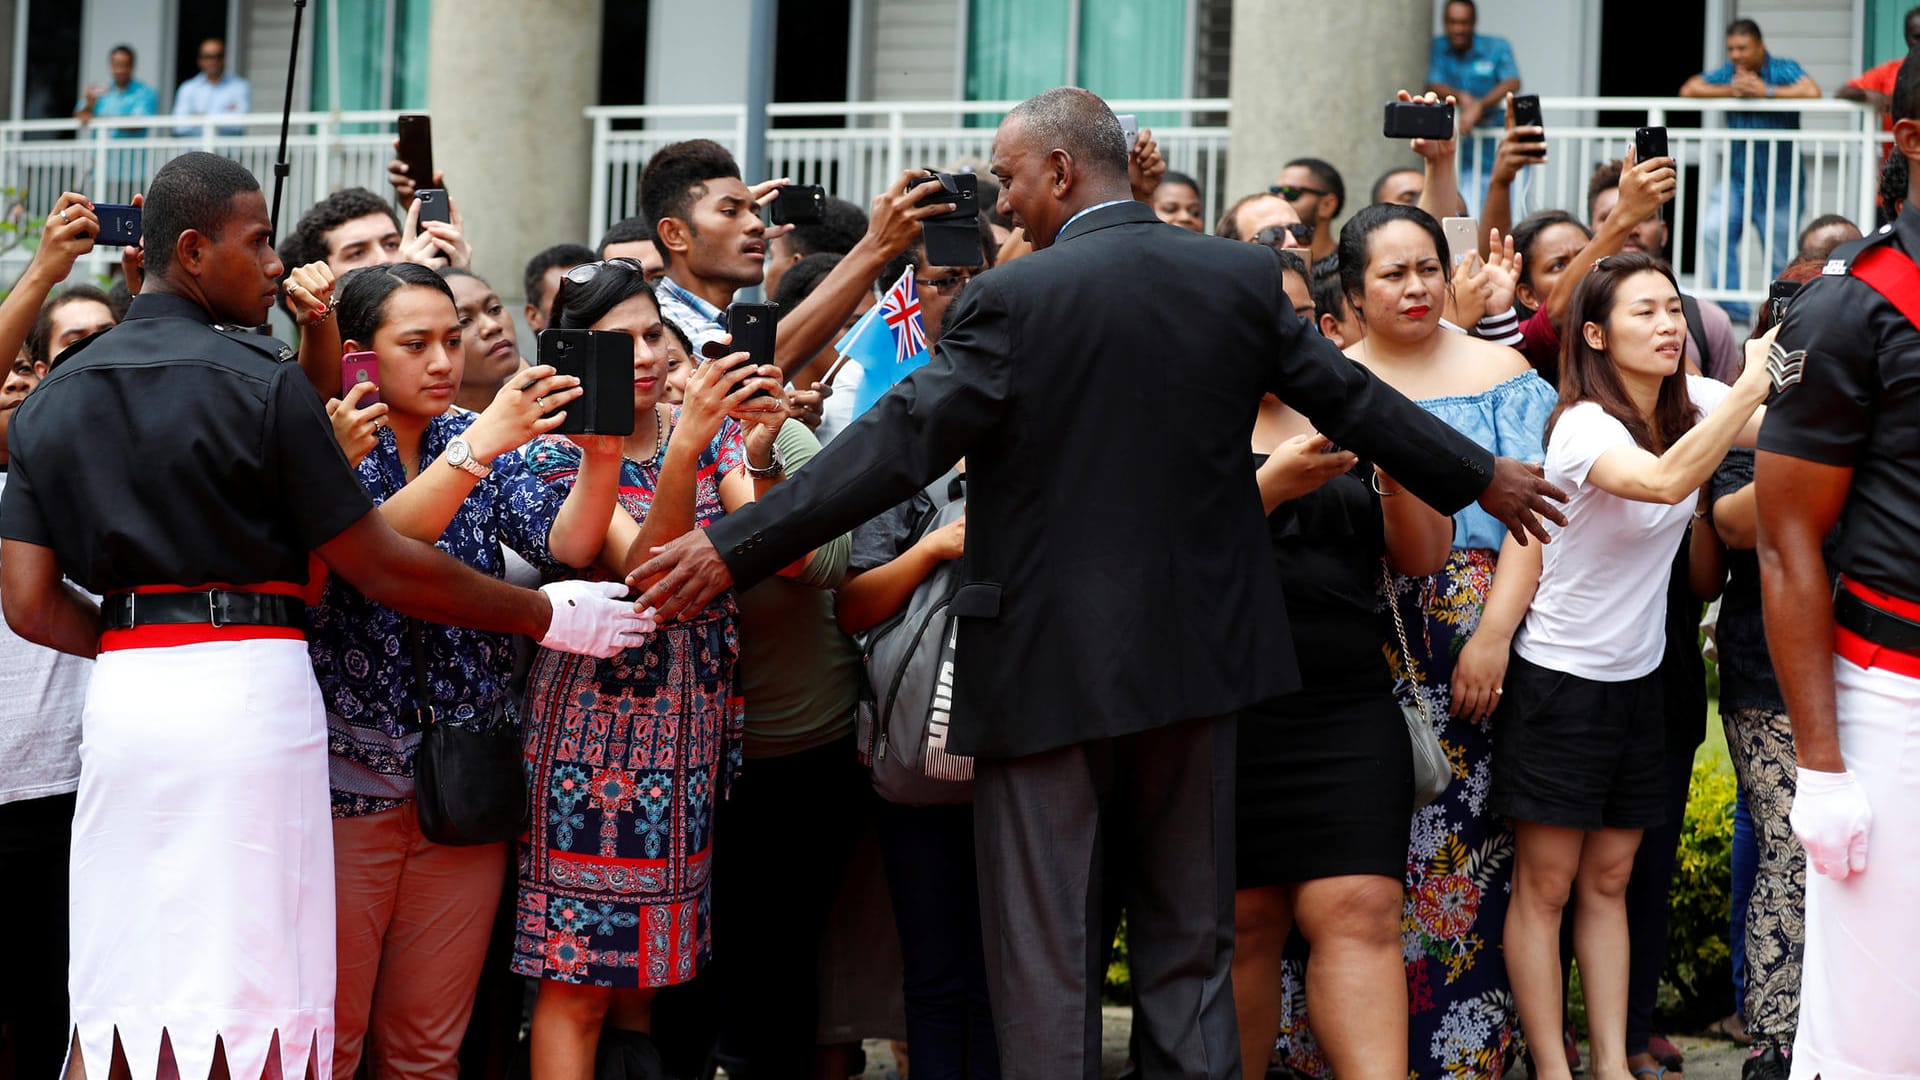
{"x":1857,"y":650}
{"x":167,"y":635}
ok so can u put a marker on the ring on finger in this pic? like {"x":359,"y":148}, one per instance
{"x":63,"y":213}
{"x":541,"y":401}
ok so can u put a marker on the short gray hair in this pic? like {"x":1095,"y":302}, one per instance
{"x":1077,"y":121}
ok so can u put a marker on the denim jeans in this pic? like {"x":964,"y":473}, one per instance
{"x":1746,"y":867}
{"x":1769,"y":179}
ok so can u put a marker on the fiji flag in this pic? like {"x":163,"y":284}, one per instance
{"x":888,"y":342}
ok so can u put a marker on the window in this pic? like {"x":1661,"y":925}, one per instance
{"x":370,"y":54}
{"x":1115,"y":48}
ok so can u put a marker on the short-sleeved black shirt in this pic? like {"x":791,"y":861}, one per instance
{"x":1746,"y":667}
{"x":1857,"y":405}
{"x":167,"y":451}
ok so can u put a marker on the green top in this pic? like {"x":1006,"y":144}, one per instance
{"x":799,"y":674}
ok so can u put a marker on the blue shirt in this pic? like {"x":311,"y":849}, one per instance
{"x":359,"y":648}
{"x":136,"y":99}
{"x":1774,"y":71}
{"x":1487,"y":63}
{"x":199,"y":97}
{"x":701,"y":321}
{"x":1508,"y":419}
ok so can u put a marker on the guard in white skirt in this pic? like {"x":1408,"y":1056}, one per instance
{"x":1841,"y":447}
{"x":184,"y":471}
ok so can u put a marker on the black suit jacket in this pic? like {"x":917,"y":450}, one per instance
{"x":1119,"y":574}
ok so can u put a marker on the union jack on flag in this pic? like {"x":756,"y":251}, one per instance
{"x":901,"y":310}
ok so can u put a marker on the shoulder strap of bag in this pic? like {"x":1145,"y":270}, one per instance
{"x":423,"y":697}
{"x":1697,"y":330}
{"x":1400,"y":632}
{"x":1892,"y":275}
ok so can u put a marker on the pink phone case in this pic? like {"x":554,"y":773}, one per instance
{"x":357,"y":368}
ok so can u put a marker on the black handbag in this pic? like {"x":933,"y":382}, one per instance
{"x":469,"y":780}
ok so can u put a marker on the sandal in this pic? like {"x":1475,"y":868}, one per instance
{"x":1731,"y":1028}
{"x":1656,"y":1072}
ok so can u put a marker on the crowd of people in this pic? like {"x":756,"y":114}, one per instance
{"x":1365,"y":769}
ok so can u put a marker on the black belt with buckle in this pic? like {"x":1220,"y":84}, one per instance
{"x":1877,"y":625}
{"x":208,"y":607}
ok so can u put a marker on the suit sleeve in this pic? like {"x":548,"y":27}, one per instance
{"x":915,"y":432}
{"x":1351,"y":406}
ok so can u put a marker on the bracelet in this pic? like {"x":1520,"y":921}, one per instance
{"x":1374,"y":483}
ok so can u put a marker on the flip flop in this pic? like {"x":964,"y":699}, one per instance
{"x":1654,"y":1071}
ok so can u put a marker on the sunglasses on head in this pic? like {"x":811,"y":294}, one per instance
{"x":579,"y":276}
{"x":1292,"y":192}
{"x":1274,"y":235}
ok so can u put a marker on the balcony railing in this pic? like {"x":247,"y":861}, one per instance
{"x":1830,"y":164}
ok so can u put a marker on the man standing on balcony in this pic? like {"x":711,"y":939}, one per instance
{"x":1478,"y":71}
{"x":213,"y":92}
{"x":125,"y":96}
{"x":1766,"y":182}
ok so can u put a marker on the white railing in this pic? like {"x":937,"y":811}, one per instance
{"x":39,"y":159}
{"x":1834,"y":160}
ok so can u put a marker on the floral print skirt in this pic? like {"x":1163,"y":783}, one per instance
{"x":625,"y":758}
{"x":1462,"y":1021}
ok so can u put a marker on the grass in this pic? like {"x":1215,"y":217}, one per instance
{"x":1715,"y":748}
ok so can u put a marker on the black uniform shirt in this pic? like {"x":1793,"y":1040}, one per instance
{"x":1857,"y":405}
{"x":169,"y":451}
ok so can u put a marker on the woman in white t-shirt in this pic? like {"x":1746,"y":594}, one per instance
{"x":1579,"y":730}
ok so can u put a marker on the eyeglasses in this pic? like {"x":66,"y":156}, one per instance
{"x":213,"y":56}
{"x":1275,"y":235}
{"x":1292,"y":192}
{"x":945,"y":286}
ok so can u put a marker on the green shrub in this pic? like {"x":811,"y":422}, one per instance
{"x":1699,"y":963}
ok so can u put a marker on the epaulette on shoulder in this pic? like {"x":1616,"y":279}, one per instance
{"x":1840,"y":262}
{"x":271,"y":347}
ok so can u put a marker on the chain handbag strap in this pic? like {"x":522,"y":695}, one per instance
{"x":1400,"y":633}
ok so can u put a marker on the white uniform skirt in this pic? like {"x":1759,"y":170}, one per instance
{"x":1860,"y":978}
{"x":202,"y":868}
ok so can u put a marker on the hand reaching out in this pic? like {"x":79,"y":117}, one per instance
{"x":1503,"y":272}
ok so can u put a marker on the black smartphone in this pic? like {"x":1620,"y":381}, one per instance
{"x":119,"y":224}
{"x":1779,"y":295}
{"x":1526,"y":113}
{"x":603,"y":362}
{"x":1418,"y":120}
{"x":952,"y":238}
{"x":1650,"y":143}
{"x":752,"y":328}
{"x":433,"y":205}
{"x":798,"y":204}
{"x":416,"y":147}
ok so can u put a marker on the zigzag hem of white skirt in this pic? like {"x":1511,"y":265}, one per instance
{"x":304,"y":1038}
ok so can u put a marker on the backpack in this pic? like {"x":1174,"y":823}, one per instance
{"x":906,"y":706}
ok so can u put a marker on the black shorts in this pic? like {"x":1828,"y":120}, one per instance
{"x":1578,"y":753}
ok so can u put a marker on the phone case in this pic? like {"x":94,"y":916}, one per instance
{"x":603,"y":362}
{"x":798,"y":204}
{"x":433,"y":205}
{"x":416,"y":146}
{"x":1463,"y":238}
{"x":1650,"y":143}
{"x":357,"y":368}
{"x":1418,"y":120}
{"x":752,"y":327}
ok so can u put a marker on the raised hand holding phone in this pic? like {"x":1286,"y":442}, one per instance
{"x":356,"y":421}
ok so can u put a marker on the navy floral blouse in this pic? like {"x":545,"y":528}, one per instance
{"x":359,"y":648}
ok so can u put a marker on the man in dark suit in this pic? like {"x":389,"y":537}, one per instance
{"x":1121,"y":601}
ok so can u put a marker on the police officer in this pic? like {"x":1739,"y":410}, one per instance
{"x":1841,"y":445}
{"x":179,"y":468}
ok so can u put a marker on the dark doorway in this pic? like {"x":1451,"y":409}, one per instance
{"x":53,"y":62}
{"x":810,"y":49}
{"x":623,"y":52}
{"x":1648,"y":48}
{"x":199,"y":20}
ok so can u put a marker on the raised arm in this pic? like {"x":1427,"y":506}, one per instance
{"x":1632,"y":473}
{"x":62,"y":241}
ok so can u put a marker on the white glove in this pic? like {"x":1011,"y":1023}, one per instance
{"x":590,"y":617}
{"x":1831,"y":817}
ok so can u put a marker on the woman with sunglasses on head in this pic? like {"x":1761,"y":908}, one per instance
{"x":1580,"y":737}
{"x":413,"y":915}
{"x":1394,"y":267}
{"x":627,"y":756}
{"x":1325,"y":789}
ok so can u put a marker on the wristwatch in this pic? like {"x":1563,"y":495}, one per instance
{"x":460,"y":456}
{"x":776,"y":466}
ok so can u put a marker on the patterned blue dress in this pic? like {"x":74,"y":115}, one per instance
{"x":625,"y":758}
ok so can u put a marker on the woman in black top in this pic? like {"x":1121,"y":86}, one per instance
{"x":1325,"y":793}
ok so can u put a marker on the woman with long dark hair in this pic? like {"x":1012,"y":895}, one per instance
{"x":1579,"y":729}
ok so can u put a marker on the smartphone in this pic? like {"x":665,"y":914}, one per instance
{"x":1526,"y":113}
{"x":603,"y":362}
{"x":119,"y":224}
{"x":1418,"y":120}
{"x":952,"y":238}
{"x":1779,"y":295}
{"x":434,"y":205}
{"x":1463,"y":237}
{"x":1650,"y":143}
{"x":416,"y":147}
{"x":798,"y":204}
{"x":357,"y":368}
{"x":752,"y":328}
{"x":1129,"y":129}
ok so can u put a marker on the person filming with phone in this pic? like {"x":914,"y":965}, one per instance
{"x":1107,"y":660}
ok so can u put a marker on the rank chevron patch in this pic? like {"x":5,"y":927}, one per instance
{"x":1785,"y":368}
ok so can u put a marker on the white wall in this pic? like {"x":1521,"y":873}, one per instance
{"x":696,"y":54}
{"x":1556,"y":42}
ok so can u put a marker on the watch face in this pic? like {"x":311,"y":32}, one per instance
{"x":458,"y":452}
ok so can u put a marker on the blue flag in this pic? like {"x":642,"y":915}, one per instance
{"x":888,"y":342}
